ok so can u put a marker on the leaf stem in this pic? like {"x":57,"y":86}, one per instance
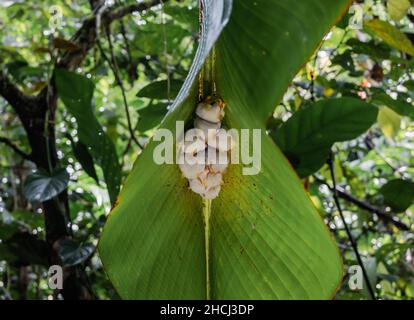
{"x":206,"y":216}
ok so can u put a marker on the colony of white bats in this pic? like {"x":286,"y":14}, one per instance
{"x":205,"y":150}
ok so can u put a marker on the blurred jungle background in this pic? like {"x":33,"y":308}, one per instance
{"x":132,"y":57}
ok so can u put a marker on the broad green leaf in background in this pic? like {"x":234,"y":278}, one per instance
{"x":402,"y":108}
{"x":267,"y":239}
{"x":409,"y":85}
{"x":374,"y":50}
{"x":391,"y":35}
{"x":398,"y":194}
{"x":20,"y":70}
{"x":81,"y":153}
{"x":346,"y":61}
{"x":307,"y":137}
{"x":398,"y":8}
{"x":185,"y":14}
{"x":72,"y":254}
{"x":8,"y":226}
{"x":151,"y":116}
{"x":161,"y":90}
{"x":25,"y":249}
{"x":410,"y":290}
{"x":32,"y":220}
{"x":76,"y":92}
{"x":41,"y":185}
{"x":151,"y":43}
{"x":389,"y":122}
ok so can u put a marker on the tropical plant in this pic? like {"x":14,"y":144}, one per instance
{"x":264,"y":239}
{"x":86,"y":87}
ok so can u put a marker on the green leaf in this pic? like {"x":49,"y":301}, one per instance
{"x":409,"y":290}
{"x":26,"y":249}
{"x":398,"y":8}
{"x":7,"y":226}
{"x":255,"y":66}
{"x":184,"y":14}
{"x":157,"y":224}
{"x":150,"y":42}
{"x":151,"y":116}
{"x":409,"y":85}
{"x":73,"y":254}
{"x":41,"y":185}
{"x":82,"y":154}
{"x":379,"y":51}
{"x":398,"y":194}
{"x":32,"y":219}
{"x":307,"y":137}
{"x":389,"y":122}
{"x":76,"y":92}
{"x":161,"y":90}
{"x":346,"y":61}
{"x":402,"y":108}
{"x":267,"y":240}
{"x":391,"y":35}
{"x":165,"y":238}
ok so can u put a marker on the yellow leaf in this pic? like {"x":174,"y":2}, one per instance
{"x":391,"y":35}
{"x":389,"y":122}
{"x":328,"y":92}
{"x":398,"y":8}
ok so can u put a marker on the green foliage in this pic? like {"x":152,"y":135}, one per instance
{"x":81,"y":152}
{"x":398,"y":106}
{"x":398,"y":194}
{"x":41,"y":185}
{"x":30,"y":220}
{"x":25,"y":249}
{"x":166,"y":204}
{"x":257,"y":245}
{"x":260,"y":226}
{"x":391,"y":35}
{"x":73,"y":254}
{"x":398,"y":8}
{"x":151,"y":116}
{"x":389,"y":122}
{"x":308,"y":136}
{"x":76,"y":92}
{"x":161,"y":90}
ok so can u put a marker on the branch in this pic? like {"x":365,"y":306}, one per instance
{"x":114,"y":66}
{"x":387,"y":217}
{"x":371,"y":146}
{"x":122,"y":12}
{"x":348,"y":232}
{"x":16,"y":149}
{"x":15,"y":97}
{"x":367,"y":206}
{"x":85,"y":37}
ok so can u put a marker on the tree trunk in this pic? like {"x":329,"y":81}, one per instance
{"x":42,"y":140}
